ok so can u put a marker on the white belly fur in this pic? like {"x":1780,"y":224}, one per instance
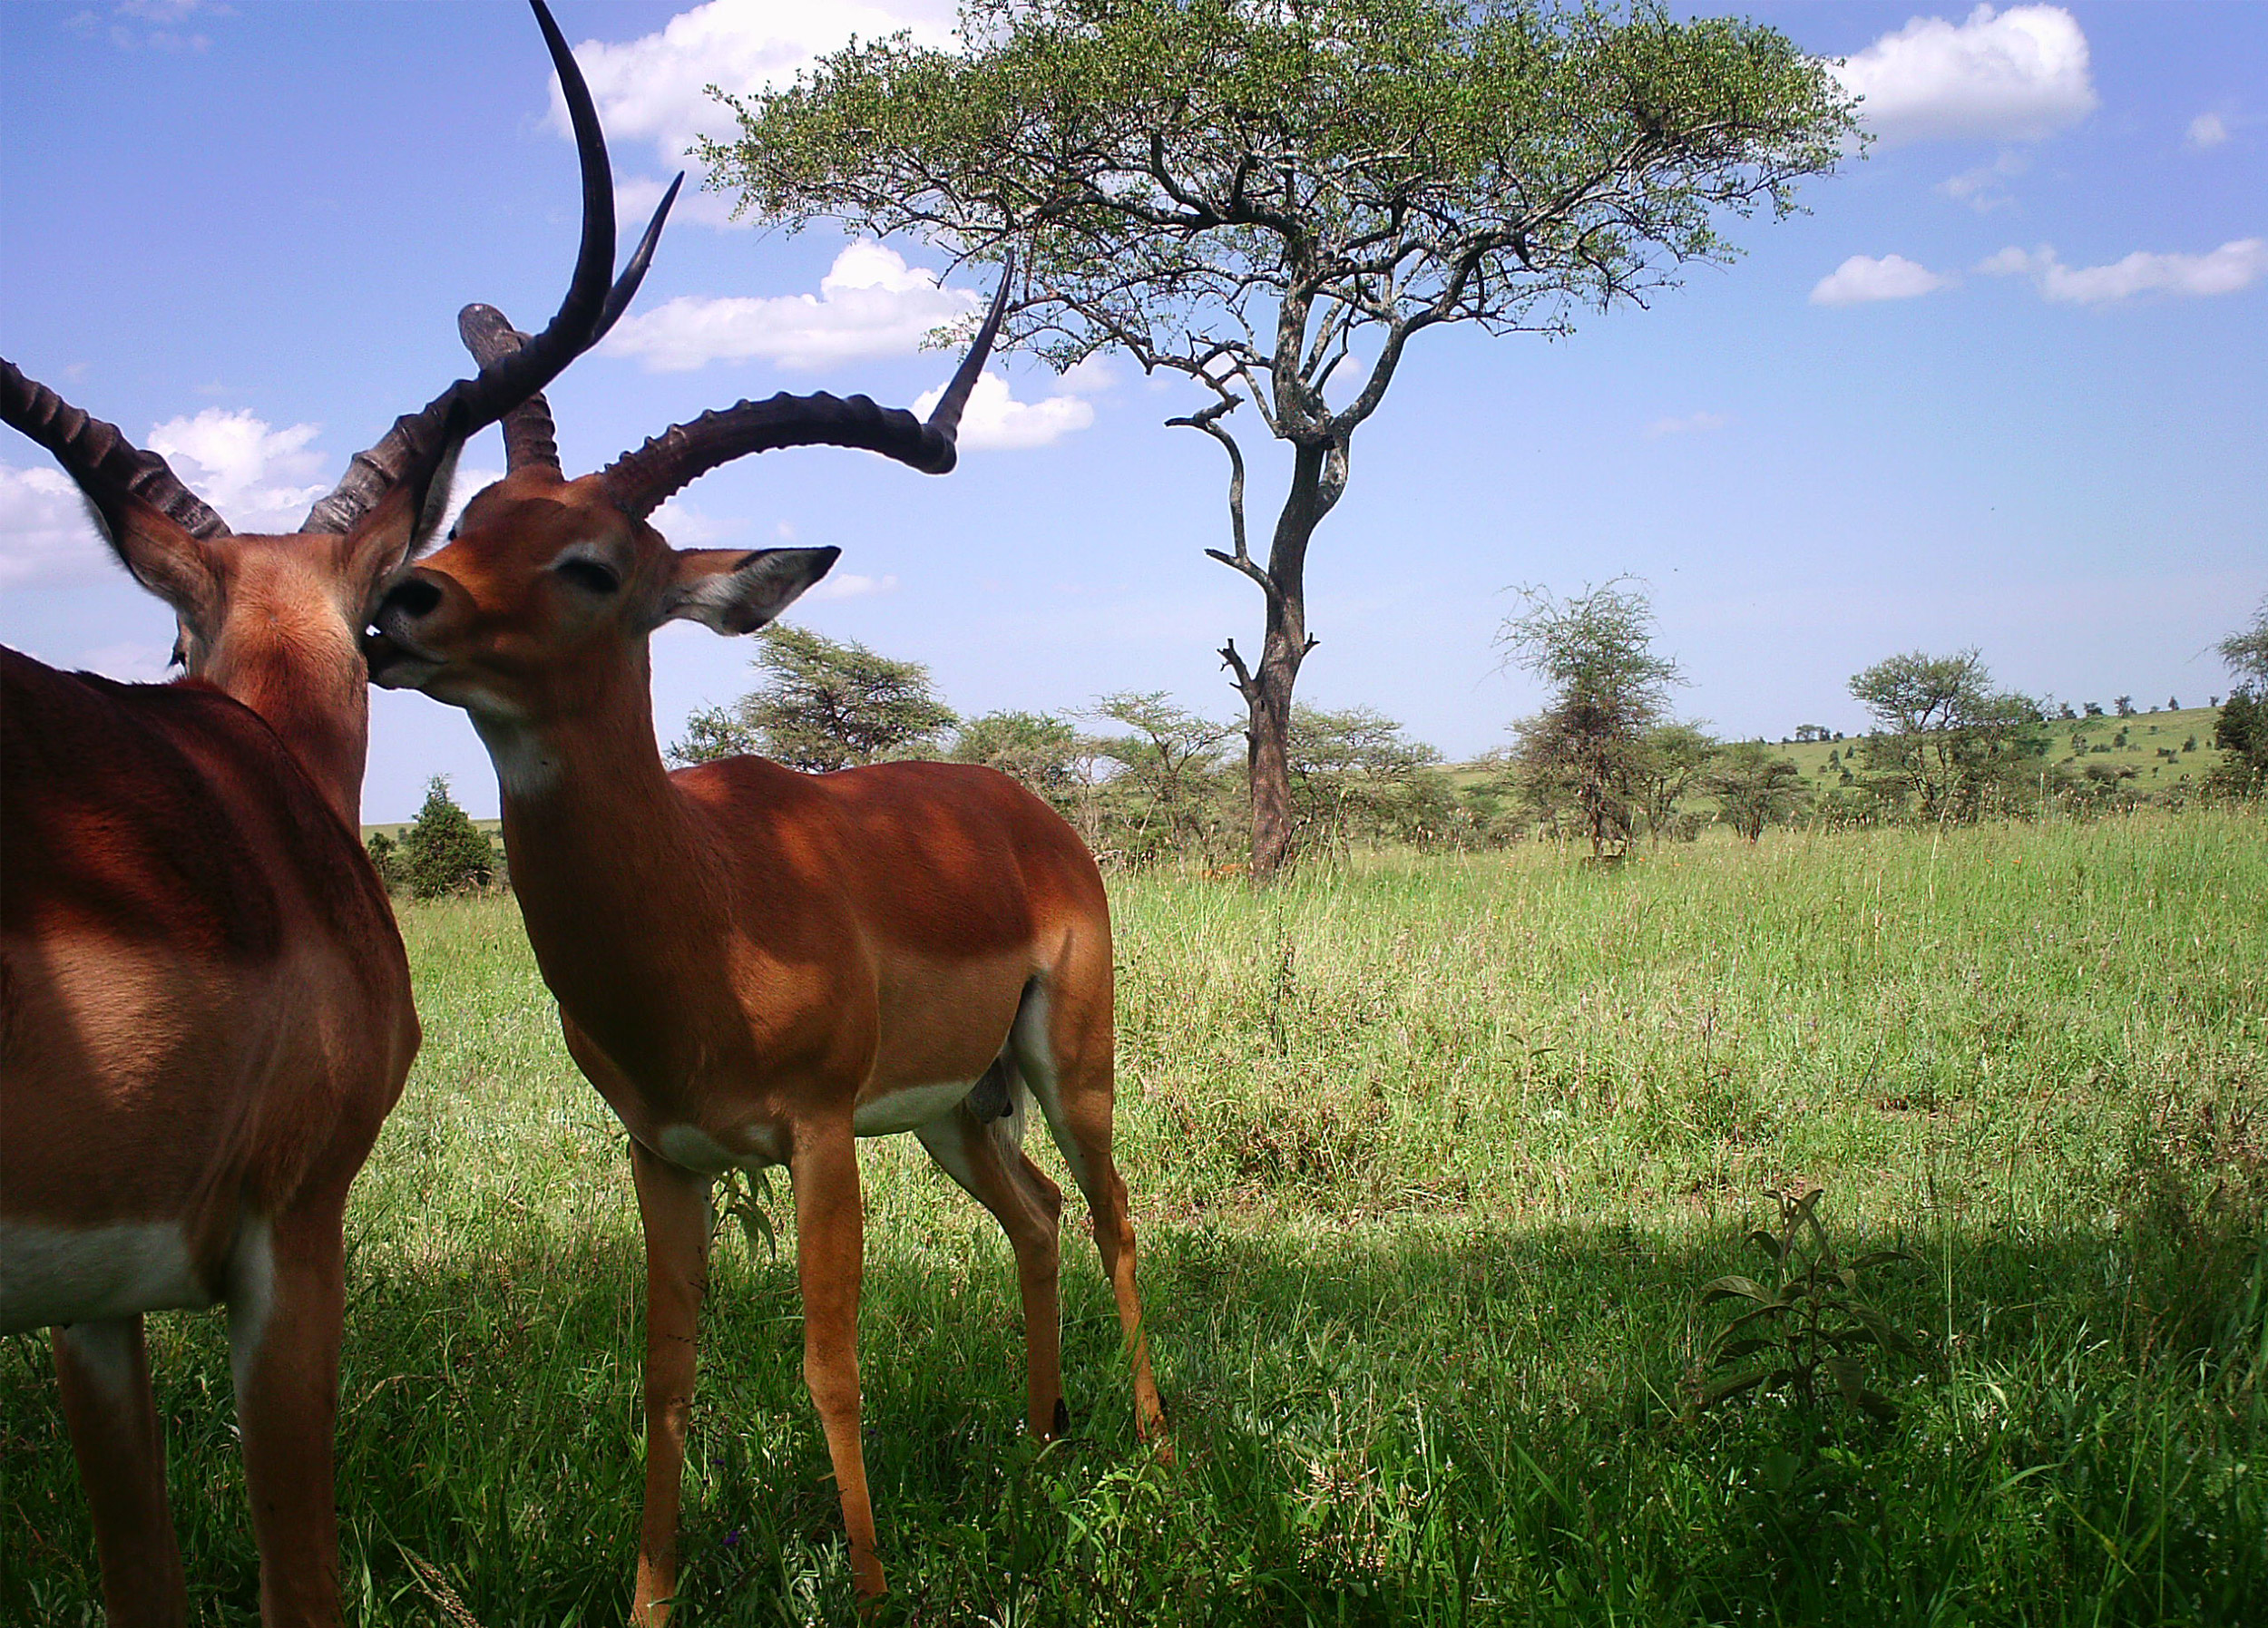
{"x":52,"y":1274}
{"x":908,"y":1108}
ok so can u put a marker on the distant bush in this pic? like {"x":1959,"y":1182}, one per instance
{"x":445,"y":852}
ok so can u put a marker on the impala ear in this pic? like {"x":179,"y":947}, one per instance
{"x":734,"y":591}
{"x":163,"y":557}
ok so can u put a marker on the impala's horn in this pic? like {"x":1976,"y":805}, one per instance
{"x":109,"y":468}
{"x":530,"y":439}
{"x":642,"y":480}
{"x":420,"y":444}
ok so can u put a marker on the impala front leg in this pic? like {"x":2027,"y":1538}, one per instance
{"x":287,"y":1298}
{"x":830,"y":1234}
{"x":673,"y":1206}
{"x":105,"y":1370}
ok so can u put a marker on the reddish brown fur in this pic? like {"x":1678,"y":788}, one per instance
{"x":753,"y":953}
{"x":204,"y":1017}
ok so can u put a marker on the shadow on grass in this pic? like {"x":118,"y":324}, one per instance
{"x":1434,"y":1423}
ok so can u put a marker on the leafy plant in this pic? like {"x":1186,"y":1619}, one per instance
{"x":741,"y":1197}
{"x":1811,"y":1326}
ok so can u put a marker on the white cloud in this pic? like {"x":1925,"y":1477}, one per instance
{"x":2231,"y":268}
{"x":994,"y":421}
{"x":469,"y":484}
{"x":1982,"y":189}
{"x":870,"y":303}
{"x":1692,"y":423}
{"x":129,"y":663}
{"x":2019,"y":75}
{"x":46,"y":536}
{"x":1862,"y":278}
{"x":850,"y":585}
{"x":654,"y":88}
{"x":259,"y":478}
{"x":2208,"y":129}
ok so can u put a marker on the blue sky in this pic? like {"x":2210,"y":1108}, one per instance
{"x":2004,"y":386}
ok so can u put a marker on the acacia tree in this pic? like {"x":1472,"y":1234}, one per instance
{"x":1590,"y":750}
{"x":1264,"y":196}
{"x":1946,"y":735}
{"x":2241,"y":728}
{"x":826,"y":704}
{"x":1753,"y":786}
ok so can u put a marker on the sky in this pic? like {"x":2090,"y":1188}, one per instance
{"x":2002,"y":387}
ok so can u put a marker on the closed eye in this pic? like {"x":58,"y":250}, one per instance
{"x":589,"y":575}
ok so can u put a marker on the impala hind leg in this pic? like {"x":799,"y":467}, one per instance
{"x":287,"y":1298}
{"x":986,"y":1157}
{"x":1065,"y":1056}
{"x":830,"y":1259}
{"x":673,"y":1208}
{"x":103,"y":1368}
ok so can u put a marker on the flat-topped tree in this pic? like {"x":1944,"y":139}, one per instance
{"x":1271,"y":198}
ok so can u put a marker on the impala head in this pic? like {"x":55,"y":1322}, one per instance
{"x":550,"y":587}
{"x":275,"y":620}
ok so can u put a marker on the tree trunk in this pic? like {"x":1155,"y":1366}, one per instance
{"x":1318,"y":476}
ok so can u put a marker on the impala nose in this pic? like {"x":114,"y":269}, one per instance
{"x":413,"y":597}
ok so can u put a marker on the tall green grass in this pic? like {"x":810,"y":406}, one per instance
{"x":1431,"y":1159}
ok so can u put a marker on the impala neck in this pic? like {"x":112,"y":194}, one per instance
{"x":319,"y":707}
{"x":606,"y":864}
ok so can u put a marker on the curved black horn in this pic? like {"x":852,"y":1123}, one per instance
{"x":640,"y":482}
{"x":420,"y":443}
{"x":108,"y":467}
{"x":530,"y":438}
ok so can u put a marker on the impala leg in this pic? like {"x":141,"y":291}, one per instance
{"x":103,"y":1368}
{"x":830,"y":1240}
{"x":985,"y":1159}
{"x":673,"y":1206}
{"x":1073,"y":1084}
{"x":286,"y":1297}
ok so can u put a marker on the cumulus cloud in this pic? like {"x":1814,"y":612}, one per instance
{"x":2019,"y":75}
{"x":2208,"y":129}
{"x":870,"y":303}
{"x":850,"y":585}
{"x":45,"y":537}
{"x":995,"y":421}
{"x":1862,"y":278}
{"x":2226,"y":271}
{"x":1692,"y":423}
{"x":654,"y":88}
{"x":131,"y":34}
{"x":469,"y":484}
{"x":260,"y":479}
{"x":1984,"y":188}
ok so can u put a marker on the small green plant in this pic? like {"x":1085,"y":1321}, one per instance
{"x":741,"y":1197}
{"x":1811,"y":1325}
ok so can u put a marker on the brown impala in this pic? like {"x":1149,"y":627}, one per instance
{"x":204,"y":1006}
{"x":755,"y":966}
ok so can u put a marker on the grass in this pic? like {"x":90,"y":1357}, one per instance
{"x":1432,"y":1159}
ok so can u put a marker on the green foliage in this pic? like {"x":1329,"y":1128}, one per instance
{"x":1810,"y":1323}
{"x":1173,"y":170}
{"x":1357,"y":778}
{"x":444,"y":852}
{"x":826,"y":704}
{"x":1753,"y":786}
{"x":1168,"y":799}
{"x":1585,"y":758}
{"x":1947,"y":741}
{"x":2241,"y":728}
{"x":385,"y":858}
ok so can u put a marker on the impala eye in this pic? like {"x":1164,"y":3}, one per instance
{"x":589,"y":575}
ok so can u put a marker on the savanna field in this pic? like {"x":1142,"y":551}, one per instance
{"x":1432,"y":1158}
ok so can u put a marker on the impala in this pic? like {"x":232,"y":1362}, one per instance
{"x":204,"y":1004}
{"x":755,"y":966}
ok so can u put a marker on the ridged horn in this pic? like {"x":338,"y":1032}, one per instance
{"x":419,"y":444}
{"x":109,"y":468}
{"x":530,"y":439}
{"x":640,"y":482}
